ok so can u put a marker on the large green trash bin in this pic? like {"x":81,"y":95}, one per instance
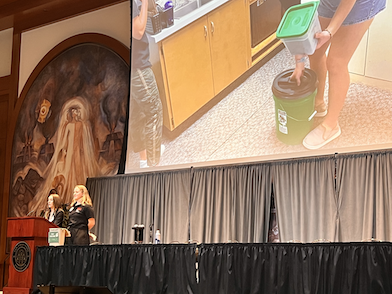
{"x":294,"y":106}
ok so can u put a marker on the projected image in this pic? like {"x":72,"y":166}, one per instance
{"x":215,"y":67}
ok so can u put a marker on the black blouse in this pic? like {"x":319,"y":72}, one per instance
{"x":58,"y":217}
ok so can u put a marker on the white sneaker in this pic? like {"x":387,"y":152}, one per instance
{"x":321,"y":136}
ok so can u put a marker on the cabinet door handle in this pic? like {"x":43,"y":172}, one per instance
{"x":212,"y":27}
{"x":205,"y":31}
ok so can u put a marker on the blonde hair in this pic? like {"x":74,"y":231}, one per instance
{"x":56,"y":204}
{"x":85,"y":198}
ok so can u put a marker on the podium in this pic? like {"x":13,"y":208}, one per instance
{"x":26,"y":234}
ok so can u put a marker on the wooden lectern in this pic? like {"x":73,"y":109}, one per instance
{"x":26,"y":234}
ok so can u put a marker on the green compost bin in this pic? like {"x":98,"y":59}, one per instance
{"x":297,"y":20}
{"x":294,"y":106}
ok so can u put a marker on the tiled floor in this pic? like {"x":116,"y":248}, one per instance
{"x":242,"y":125}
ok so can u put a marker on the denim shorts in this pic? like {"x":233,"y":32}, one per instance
{"x":362,"y":10}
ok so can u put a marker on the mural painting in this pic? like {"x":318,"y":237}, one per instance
{"x":70,"y":126}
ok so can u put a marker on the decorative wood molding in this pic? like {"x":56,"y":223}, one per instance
{"x":15,"y":68}
{"x":4,"y":86}
{"x":24,"y":15}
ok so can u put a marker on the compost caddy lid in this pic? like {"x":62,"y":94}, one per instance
{"x":296,"y":20}
{"x":284,"y":88}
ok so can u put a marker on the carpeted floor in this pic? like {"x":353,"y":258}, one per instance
{"x":241,"y":127}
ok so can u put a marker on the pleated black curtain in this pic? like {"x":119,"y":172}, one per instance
{"x":343,"y":268}
{"x":230,"y":203}
{"x":306,"y":203}
{"x":364,"y":188}
{"x":122,"y":268}
{"x":284,"y":268}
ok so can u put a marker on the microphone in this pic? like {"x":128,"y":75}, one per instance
{"x":30,"y":212}
{"x":151,"y":232}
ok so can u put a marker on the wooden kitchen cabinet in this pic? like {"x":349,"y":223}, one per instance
{"x":187,"y":65}
{"x":230,"y":42}
{"x":203,"y":58}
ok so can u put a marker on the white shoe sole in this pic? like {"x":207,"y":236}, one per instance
{"x":314,"y":147}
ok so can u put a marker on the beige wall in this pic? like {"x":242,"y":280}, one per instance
{"x":113,"y":21}
{"x":5,"y":52}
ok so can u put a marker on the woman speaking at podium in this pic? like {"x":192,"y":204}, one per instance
{"x":81,"y":217}
{"x":55,"y":214}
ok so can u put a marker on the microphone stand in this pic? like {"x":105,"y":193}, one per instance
{"x":151,"y":240}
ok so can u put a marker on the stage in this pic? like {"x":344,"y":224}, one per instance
{"x":363,"y":267}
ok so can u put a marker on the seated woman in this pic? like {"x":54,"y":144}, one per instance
{"x":55,"y":214}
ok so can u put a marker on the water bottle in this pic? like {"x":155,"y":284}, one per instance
{"x":169,"y":4}
{"x":157,"y":237}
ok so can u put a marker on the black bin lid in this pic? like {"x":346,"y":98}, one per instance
{"x":284,"y":88}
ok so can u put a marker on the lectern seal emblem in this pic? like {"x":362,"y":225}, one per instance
{"x":21,"y":256}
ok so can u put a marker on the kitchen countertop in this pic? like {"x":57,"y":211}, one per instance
{"x":187,"y":19}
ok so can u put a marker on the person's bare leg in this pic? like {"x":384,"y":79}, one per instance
{"x":143,"y":159}
{"x":318,"y":63}
{"x":143,"y":155}
{"x":343,"y":46}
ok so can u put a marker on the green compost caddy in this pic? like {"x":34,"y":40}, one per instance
{"x":294,"y":105}
{"x":298,"y":26}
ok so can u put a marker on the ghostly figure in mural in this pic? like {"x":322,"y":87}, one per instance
{"x":74,"y":158}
